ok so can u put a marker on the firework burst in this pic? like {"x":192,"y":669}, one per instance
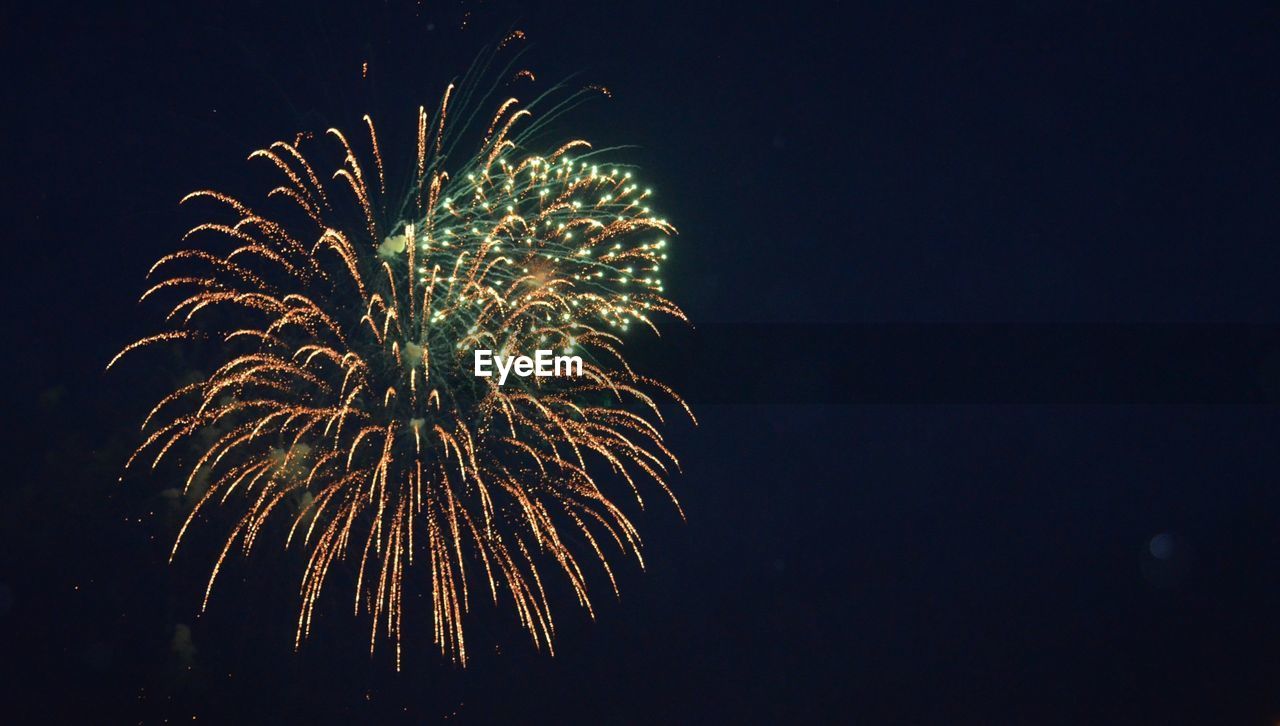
{"x":342,"y":406}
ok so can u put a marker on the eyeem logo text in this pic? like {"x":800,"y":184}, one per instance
{"x":543,"y":364}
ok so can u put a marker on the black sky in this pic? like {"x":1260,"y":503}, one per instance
{"x":1107,"y":162}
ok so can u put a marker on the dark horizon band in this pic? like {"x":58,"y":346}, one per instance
{"x":966,"y":363}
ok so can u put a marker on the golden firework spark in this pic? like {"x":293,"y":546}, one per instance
{"x":343,"y":404}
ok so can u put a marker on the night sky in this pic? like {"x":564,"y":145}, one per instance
{"x":930,"y":555}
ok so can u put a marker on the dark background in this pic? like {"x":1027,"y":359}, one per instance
{"x":912,"y":561}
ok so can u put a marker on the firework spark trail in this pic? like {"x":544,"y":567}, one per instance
{"x":344,"y":403}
